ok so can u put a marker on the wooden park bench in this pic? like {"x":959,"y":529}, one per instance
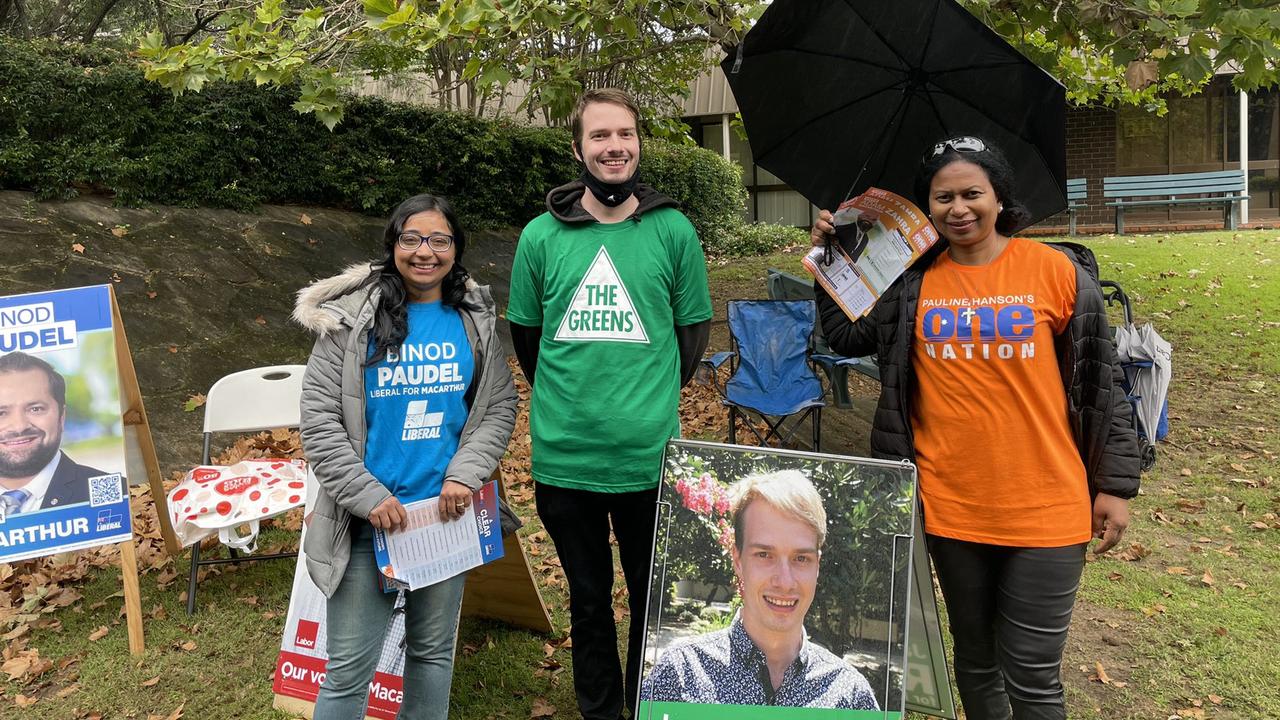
{"x":1224,"y":187}
{"x":1077,"y":193}
{"x":785,"y":286}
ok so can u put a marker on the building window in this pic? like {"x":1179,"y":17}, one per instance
{"x":1142,"y":142}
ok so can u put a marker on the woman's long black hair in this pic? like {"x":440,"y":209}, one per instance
{"x":1014,"y":217}
{"x":391,"y":319}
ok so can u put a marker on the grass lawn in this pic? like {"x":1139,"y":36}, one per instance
{"x":1175,"y":624}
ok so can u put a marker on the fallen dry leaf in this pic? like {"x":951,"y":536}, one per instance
{"x":305,"y":219}
{"x":151,"y":294}
{"x":542,"y":708}
{"x":151,"y":682}
{"x":120,"y":231}
{"x":194,"y":402}
{"x":98,"y":634}
{"x":1215,"y":699}
{"x":1133,"y":553}
{"x":188,"y":645}
{"x":173,"y":348}
{"x":1176,"y":570}
{"x":77,"y":247}
{"x":23,"y":701}
{"x":1207,"y":579}
{"x":17,"y":667}
{"x":260,"y":320}
{"x":1099,"y":674}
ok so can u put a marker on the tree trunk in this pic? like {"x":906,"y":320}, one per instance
{"x":92,"y":30}
{"x":20,"y":6}
{"x":162,"y":20}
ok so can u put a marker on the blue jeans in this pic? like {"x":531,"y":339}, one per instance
{"x":357,"y":617}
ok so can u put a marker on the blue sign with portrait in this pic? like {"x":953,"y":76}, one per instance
{"x":62,"y":453}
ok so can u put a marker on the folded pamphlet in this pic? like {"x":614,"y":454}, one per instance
{"x":878,"y":235}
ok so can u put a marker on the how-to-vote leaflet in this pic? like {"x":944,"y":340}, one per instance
{"x":62,"y":450}
{"x":879,"y":234}
{"x":428,"y":550}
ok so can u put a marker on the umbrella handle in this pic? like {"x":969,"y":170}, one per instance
{"x":1113,"y":293}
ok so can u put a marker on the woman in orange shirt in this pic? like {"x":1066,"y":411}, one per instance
{"x":999,"y":380}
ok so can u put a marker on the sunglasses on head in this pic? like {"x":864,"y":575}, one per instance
{"x":964,"y":144}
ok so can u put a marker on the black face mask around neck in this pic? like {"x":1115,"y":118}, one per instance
{"x":610,"y":194}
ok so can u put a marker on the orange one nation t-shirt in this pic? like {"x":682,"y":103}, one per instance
{"x":996,"y":457}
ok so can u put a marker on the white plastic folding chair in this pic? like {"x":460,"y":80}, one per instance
{"x":262,"y":398}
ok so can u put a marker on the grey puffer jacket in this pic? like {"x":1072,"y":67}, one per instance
{"x":1100,"y":415}
{"x":339,"y":310}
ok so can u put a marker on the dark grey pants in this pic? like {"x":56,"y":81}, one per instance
{"x":1009,"y":609}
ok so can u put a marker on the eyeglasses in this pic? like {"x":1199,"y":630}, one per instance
{"x":964,"y":144}
{"x":437,"y":242}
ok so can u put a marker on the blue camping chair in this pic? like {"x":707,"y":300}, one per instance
{"x":771,"y":376}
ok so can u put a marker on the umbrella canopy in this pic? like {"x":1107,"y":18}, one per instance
{"x":1148,"y":361}
{"x":841,"y":95}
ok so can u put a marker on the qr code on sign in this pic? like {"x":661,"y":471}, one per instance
{"x":105,"y":490}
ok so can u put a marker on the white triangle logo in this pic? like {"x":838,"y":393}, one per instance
{"x":602,"y":308}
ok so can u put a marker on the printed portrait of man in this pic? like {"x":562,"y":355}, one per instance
{"x":765,"y":657}
{"x":34,"y":472}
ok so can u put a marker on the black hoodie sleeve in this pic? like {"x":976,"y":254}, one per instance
{"x":526,"y":340}
{"x":692,"y":340}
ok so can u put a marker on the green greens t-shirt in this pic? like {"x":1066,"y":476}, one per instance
{"x":608,"y":298}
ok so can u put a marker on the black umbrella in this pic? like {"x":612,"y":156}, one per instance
{"x":841,"y":95}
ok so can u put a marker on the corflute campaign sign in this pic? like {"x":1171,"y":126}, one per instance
{"x":62,"y":452}
{"x":300,"y":667}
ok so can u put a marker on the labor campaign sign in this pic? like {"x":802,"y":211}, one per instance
{"x":62,"y":450}
{"x":300,"y":666}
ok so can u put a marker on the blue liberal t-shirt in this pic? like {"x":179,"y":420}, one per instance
{"x":415,"y":403}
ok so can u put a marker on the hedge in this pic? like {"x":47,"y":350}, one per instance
{"x":75,"y":118}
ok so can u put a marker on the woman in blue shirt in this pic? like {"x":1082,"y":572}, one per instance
{"x":407,"y":396}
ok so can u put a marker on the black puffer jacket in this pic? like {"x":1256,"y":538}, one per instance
{"x":1101,"y":418}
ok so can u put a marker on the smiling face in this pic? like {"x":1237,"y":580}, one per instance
{"x":30,"y":425}
{"x":776,"y":561}
{"x":963,"y":204}
{"x":423,"y":270}
{"x":610,"y":142}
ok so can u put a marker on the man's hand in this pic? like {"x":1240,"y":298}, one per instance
{"x":822,"y":229}
{"x":454,"y":499}
{"x":1110,"y":518}
{"x":389,"y":515}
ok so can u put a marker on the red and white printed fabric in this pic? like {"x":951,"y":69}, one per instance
{"x":221,"y":498}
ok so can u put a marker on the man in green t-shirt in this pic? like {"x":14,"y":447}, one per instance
{"x":609,"y":315}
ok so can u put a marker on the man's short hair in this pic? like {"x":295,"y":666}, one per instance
{"x":613,"y":96}
{"x":21,"y":362}
{"x":787,"y":490}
